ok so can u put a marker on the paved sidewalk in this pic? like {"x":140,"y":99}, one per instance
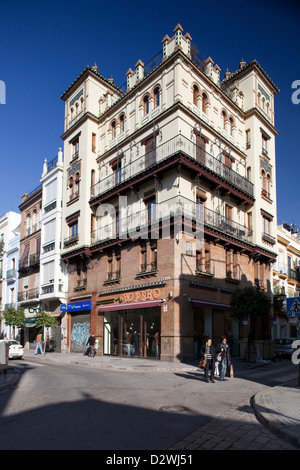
{"x":277,"y":408}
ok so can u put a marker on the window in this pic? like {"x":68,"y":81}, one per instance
{"x":122,"y":122}
{"x":75,"y":148}
{"x":117,"y":171}
{"x":248,"y":140}
{"x":93,"y":142}
{"x":195,"y":95}
{"x":150,"y":203}
{"x":146,"y":105}
{"x":204,"y":102}
{"x":228,"y":264}
{"x":249,"y":173}
{"x":148,"y":256}
{"x":73,"y":229}
{"x":264,"y":145}
{"x":266,"y":225}
{"x":223,"y":119}
{"x":113,"y":130}
{"x":230,"y":126}
{"x":28,"y":224}
{"x":156,"y":97}
{"x":81,"y":275}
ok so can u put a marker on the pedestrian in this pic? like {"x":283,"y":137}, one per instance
{"x":224,"y":350}
{"x":209,"y":353}
{"x":38,"y":344}
{"x":91,"y":342}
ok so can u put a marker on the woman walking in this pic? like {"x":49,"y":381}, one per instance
{"x":209,"y":353}
{"x":224,"y":350}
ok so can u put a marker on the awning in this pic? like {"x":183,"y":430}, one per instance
{"x":205,"y":304}
{"x":130,"y":305}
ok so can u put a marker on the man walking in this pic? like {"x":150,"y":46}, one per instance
{"x":38,"y":344}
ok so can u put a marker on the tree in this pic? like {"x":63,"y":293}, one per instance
{"x":251,"y":303}
{"x":14,"y":317}
{"x":45,"y":320}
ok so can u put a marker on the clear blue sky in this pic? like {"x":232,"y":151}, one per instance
{"x":46,"y":45}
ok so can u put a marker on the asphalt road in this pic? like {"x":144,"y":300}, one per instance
{"x":75,"y":407}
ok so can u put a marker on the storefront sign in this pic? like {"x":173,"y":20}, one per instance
{"x":140,"y":295}
{"x":80,"y":306}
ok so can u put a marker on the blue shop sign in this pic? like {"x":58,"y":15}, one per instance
{"x":79,"y":306}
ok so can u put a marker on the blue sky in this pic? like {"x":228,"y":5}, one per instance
{"x":44,"y":46}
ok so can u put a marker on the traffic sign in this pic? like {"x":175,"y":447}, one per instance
{"x":293,"y":306}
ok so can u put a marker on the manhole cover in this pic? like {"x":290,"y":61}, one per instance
{"x":173,"y":409}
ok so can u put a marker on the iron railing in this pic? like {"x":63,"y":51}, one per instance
{"x":133,"y":167}
{"x":133,"y":222}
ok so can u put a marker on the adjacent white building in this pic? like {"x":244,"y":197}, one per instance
{"x":286,"y":279}
{"x":9,"y":262}
{"x":53,"y":279}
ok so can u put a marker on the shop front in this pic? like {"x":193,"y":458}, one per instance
{"x":79,"y":325}
{"x":132,"y":327}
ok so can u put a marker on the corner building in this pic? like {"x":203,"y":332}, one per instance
{"x":169,"y":202}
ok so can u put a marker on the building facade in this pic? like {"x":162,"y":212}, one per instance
{"x":9,"y":258}
{"x":286,"y":280}
{"x":53,"y":279}
{"x":169,"y":202}
{"x":29,"y":263}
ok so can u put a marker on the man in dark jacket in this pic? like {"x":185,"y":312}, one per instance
{"x":91,"y":343}
{"x":209,"y":353}
{"x":224,"y":349}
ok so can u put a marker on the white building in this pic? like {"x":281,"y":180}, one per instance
{"x":286,"y":279}
{"x":175,"y":134}
{"x":9,"y":262}
{"x":53,"y":279}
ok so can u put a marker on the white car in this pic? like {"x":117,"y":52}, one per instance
{"x":15,"y":349}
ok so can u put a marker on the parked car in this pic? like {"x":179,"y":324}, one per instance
{"x":15,"y":349}
{"x":283,"y":346}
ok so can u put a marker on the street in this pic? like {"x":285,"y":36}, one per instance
{"x":67,"y":406}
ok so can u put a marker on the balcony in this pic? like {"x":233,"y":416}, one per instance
{"x":71,"y":240}
{"x":135,"y":224}
{"x":11,"y":274}
{"x":212,"y":168}
{"x":30,"y":261}
{"x":28,"y":294}
{"x":266,"y":237}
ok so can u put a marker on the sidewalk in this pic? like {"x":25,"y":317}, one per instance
{"x":278,"y":408}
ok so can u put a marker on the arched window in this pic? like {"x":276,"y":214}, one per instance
{"x":28,"y":224}
{"x":35,"y":221}
{"x":204,"y":102}
{"x":113,"y":129}
{"x":223,"y":119}
{"x":146,"y":105}
{"x":230,"y":125}
{"x":195,"y":95}
{"x":122,"y":122}
{"x":156,"y":94}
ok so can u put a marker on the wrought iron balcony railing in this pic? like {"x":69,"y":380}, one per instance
{"x":133,"y":167}
{"x":28,"y":294}
{"x":136,"y":222}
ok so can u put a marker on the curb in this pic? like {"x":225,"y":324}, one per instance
{"x":267,"y":417}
